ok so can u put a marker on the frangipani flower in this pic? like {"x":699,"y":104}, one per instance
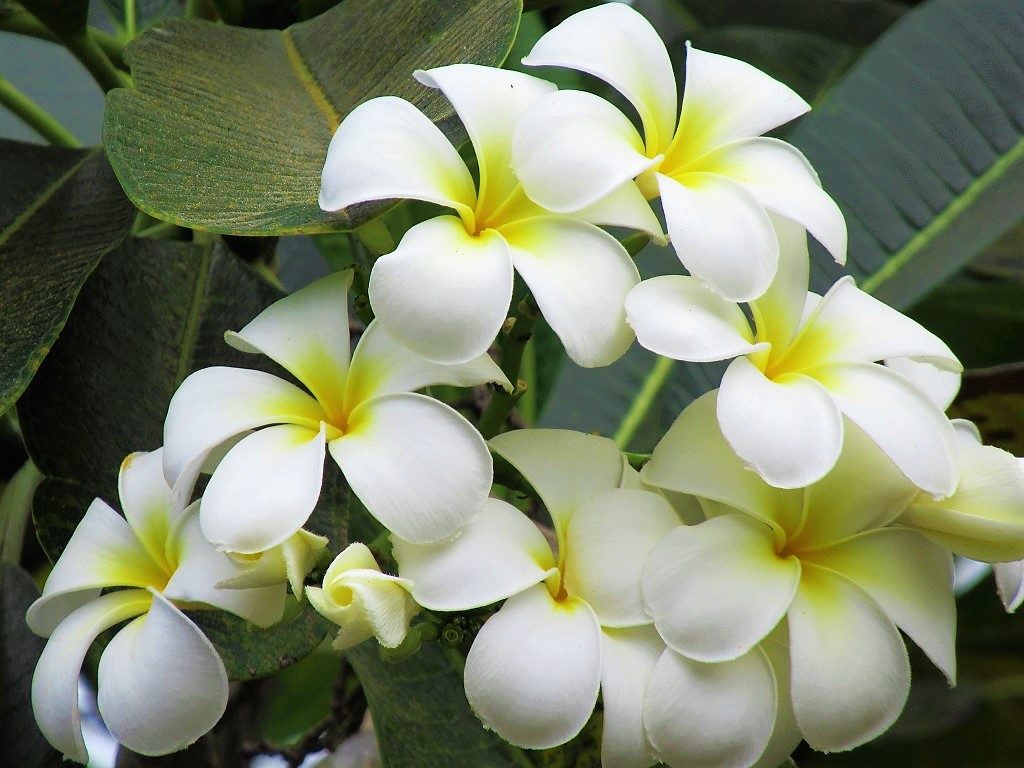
{"x":289,"y":561}
{"x":363,"y":601}
{"x":808,"y":363}
{"x":572,"y":623}
{"x":416,"y":464}
{"x":716,"y":175}
{"x":824,"y":558}
{"x":445,"y":290}
{"x":161,"y":683}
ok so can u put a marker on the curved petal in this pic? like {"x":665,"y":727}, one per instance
{"x":146,"y":501}
{"x":682,"y":318}
{"x":416,"y":464}
{"x":628,"y":657}
{"x":365,"y":603}
{"x":608,"y":541}
{"x":55,"y":682}
{"x":307,"y":334}
{"x":710,"y":715}
{"x":499,"y":553}
{"x":382,"y":365}
{"x":901,"y":420}
{"x":1010,"y":584}
{"x":618,"y":45}
{"x":939,"y":386}
{"x":786,"y":734}
{"x":717,"y":589}
{"x":580,"y":276}
{"x":851,"y":675}
{"x":721,"y":233}
{"x":443,"y":292}
{"x":387,"y":149}
{"x":780,"y":310}
{"x":624,"y":206}
{"x":265,"y":489}
{"x":215,"y":404}
{"x":789,"y":430}
{"x":534,"y":670}
{"x":572,"y":149}
{"x":161,"y":684}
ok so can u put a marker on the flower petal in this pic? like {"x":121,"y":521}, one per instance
{"x":365,"y":603}
{"x":534,"y":670}
{"x":146,"y":501}
{"x":416,"y":464}
{"x":717,"y":589}
{"x":161,"y":683}
{"x":627,"y":661}
{"x":624,"y":206}
{"x":851,"y":675}
{"x":387,"y":149}
{"x":618,"y":45}
{"x":710,"y":715}
{"x":938,"y":385}
{"x":721,"y":233}
{"x":788,"y":430}
{"x":443,"y":292}
{"x":778,"y":313}
{"x":265,"y":489}
{"x":608,"y":540}
{"x":580,"y":276}
{"x":1010,"y":584}
{"x":786,"y":734}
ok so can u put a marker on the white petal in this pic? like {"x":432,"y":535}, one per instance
{"x":779,"y":312}
{"x":580,"y":276}
{"x":786,"y":734}
{"x":534,"y":670}
{"x":387,"y":149}
{"x":1010,"y":583}
{"x":851,"y":675}
{"x":146,"y":500}
{"x":618,"y":45}
{"x":365,"y":603}
{"x":216,"y":404}
{"x":161,"y":684}
{"x":710,"y":715}
{"x":265,"y":488}
{"x":682,"y":318}
{"x":900,"y":419}
{"x":624,"y":206}
{"x":608,"y":540}
{"x":939,"y":386}
{"x":717,"y":589}
{"x":628,"y":659}
{"x":789,"y":430}
{"x":572,"y":149}
{"x":418,"y":466}
{"x":721,"y":233}
{"x":443,"y":292}
{"x":55,"y":682}
{"x":307,"y":334}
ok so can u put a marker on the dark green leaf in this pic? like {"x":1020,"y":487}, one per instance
{"x":60,"y":211}
{"x":62,"y":16}
{"x":227,"y":128}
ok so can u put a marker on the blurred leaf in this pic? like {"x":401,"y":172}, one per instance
{"x":62,"y":16}
{"x":993,"y":398}
{"x":299,"y":698}
{"x":60,"y":211}
{"x":227,"y":128}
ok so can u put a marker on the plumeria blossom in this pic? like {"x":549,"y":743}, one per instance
{"x":445,"y":291}
{"x":417,"y":465}
{"x":825,"y":559}
{"x":717,"y":177}
{"x":289,"y":561}
{"x":572,"y":622}
{"x":161,"y":683}
{"x":807,"y":364}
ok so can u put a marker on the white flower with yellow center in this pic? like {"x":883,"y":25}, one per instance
{"x":717,"y":177}
{"x":161,"y":684}
{"x":572,"y":623}
{"x":417,"y":465}
{"x":824,"y":560}
{"x":445,"y":291}
{"x":807,"y":362}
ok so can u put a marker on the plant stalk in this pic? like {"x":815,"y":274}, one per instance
{"x":656,"y":379}
{"x":37,"y":118}
{"x":512,"y":341}
{"x":85,"y":48}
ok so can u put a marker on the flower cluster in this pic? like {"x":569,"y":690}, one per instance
{"x":743,"y":591}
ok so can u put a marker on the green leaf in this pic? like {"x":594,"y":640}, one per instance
{"x":993,"y":398}
{"x":146,"y":11}
{"x":60,"y":211}
{"x":62,"y":16}
{"x":299,"y":698}
{"x":227,"y":128}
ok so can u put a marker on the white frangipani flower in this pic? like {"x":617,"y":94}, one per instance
{"x":825,"y":558}
{"x":716,"y":175}
{"x":161,"y":683}
{"x":572,"y":623}
{"x":807,"y":363}
{"x":445,"y":291}
{"x":417,"y":465}
{"x":289,"y":561}
{"x":363,"y":601}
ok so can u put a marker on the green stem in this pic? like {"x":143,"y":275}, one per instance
{"x":528,"y":402}
{"x":512,"y":341}
{"x":15,"y":510}
{"x":130,"y":23}
{"x":85,"y":48}
{"x":21,"y":22}
{"x":656,"y":379}
{"x":361,"y":279}
{"x":41,"y":121}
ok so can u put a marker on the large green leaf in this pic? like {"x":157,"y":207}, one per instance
{"x":60,"y":211}
{"x":227,"y":128}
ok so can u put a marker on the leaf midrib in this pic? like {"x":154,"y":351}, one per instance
{"x":309,"y":82}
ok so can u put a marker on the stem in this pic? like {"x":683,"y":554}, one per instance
{"x":85,"y":48}
{"x":41,"y":121}
{"x":130,"y":24}
{"x":528,"y":402}
{"x":21,"y":22}
{"x":15,"y":510}
{"x":361,"y":279}
{"x":656,"y":379}
{"x":513,"y":341}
